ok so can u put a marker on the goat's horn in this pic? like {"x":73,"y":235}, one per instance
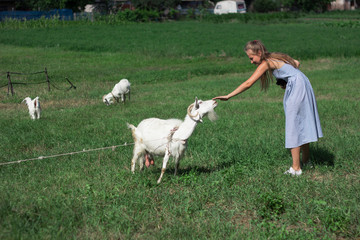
{"x":189,"y":111}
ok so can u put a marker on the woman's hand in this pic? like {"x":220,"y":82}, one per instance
{"x":222,"y":98}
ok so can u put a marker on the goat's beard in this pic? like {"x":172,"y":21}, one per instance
{"x":212,"y":115}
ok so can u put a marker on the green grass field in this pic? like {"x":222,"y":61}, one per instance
{"x":230,"y":183}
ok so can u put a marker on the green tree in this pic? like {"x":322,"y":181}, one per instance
{"x":264,"y":6}
{"x":155,"y":4}
{"x":44,"y":5}
{"x":77,"y":5}
{"x":307,"y":5}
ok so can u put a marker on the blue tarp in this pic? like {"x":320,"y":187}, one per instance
{"x":62,"y":14}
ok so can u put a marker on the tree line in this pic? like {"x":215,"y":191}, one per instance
{"x":160,"y":5}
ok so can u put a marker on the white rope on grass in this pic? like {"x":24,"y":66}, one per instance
{"x":70,"y":153}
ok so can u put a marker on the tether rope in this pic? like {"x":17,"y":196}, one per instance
{"x":23,"y":83}
{"x":18,"y":73}
{"x":65,"y":154}
{"x":25,"y":73}
{"x":169,"y":138}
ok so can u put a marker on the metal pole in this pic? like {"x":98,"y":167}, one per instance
{"x":10,"y":86}
{"x":47,"y":79}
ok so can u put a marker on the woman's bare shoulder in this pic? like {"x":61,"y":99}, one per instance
{"x":297,"y":63}
{"x":275,"y":63}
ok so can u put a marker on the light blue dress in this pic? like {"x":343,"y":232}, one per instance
{"x":302,"y":122}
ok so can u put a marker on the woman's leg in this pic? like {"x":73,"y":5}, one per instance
{"x":295,"y":153}
{"x":305,"y":153}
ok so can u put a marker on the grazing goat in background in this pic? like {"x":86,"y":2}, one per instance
{"x":167,"y":138}
{"x":119,"y":91}
{"x":34,"y":107}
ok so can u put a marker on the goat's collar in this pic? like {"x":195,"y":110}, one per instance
{"x":192,"y":117}
{"x":114,"y":96}
{"x":195,"y":120}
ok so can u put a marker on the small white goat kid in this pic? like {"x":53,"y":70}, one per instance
{"x":167,"y":138}
{"x":119,"y":91}
{"x":34,"y":107}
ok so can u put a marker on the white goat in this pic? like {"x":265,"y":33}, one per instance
{"x":34,"y":107}
{"x":119,"y":91}
{"x":168,"y":137}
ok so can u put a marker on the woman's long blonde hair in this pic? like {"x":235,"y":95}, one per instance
{"x":257,"y":46}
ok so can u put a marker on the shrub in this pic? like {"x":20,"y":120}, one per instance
{"x":250,"y":17}
{"x":138,"y":15}
{"x":264,"y":6}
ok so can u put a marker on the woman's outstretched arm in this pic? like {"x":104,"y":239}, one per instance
{"x":260,"y":70}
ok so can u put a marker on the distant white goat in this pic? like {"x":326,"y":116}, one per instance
{"x":167,"y":138}
{"x":119,"y":91}
{"x":34,"y":107}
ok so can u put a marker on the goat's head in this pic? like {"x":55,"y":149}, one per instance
{"x":199,"y":109}
{"x":107,"y":99}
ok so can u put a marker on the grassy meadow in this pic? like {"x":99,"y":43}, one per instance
{"x":230,"y":183}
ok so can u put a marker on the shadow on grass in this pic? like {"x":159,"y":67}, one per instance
{"x":322,"y":156}
{"x":181,"y":170}
{"x":195,"y":169}
{"x":188,"y":170}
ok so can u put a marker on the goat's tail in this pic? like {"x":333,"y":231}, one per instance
{"x":36,"y":102}
{"x":132,"y":127}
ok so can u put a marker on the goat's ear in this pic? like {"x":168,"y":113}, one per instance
{"x":196,"y":103}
